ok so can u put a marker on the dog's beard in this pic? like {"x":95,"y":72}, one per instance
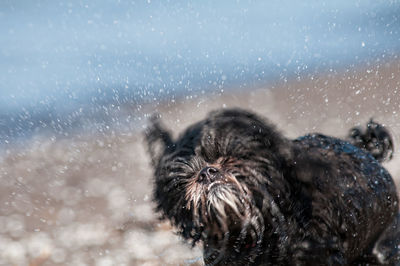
{"x":227,"y":214}
{"x":231,"y":215}
{"x":218,"y":202}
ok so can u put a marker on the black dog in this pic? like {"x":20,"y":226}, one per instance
{"x":254,"y":197}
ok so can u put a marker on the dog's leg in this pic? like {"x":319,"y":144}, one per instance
{"x":387,"y":248}
{"x":312,"y":253}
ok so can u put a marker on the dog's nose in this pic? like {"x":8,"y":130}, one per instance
{"x":208,"y":174}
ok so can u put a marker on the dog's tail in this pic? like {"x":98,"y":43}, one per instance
{"x":375,"y":139}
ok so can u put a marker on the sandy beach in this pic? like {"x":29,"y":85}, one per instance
{"x":86,"y":199}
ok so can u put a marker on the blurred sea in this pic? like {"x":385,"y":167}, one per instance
{"x":76,"y":65}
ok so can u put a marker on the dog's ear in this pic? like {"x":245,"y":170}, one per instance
{"x":158,"y":139}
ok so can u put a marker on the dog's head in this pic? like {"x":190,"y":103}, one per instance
{"x":221,"y":181}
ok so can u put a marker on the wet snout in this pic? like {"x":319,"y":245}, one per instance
{"x":209,"y":174}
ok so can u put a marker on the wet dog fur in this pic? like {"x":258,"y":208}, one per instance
{"x":254,"y":197}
